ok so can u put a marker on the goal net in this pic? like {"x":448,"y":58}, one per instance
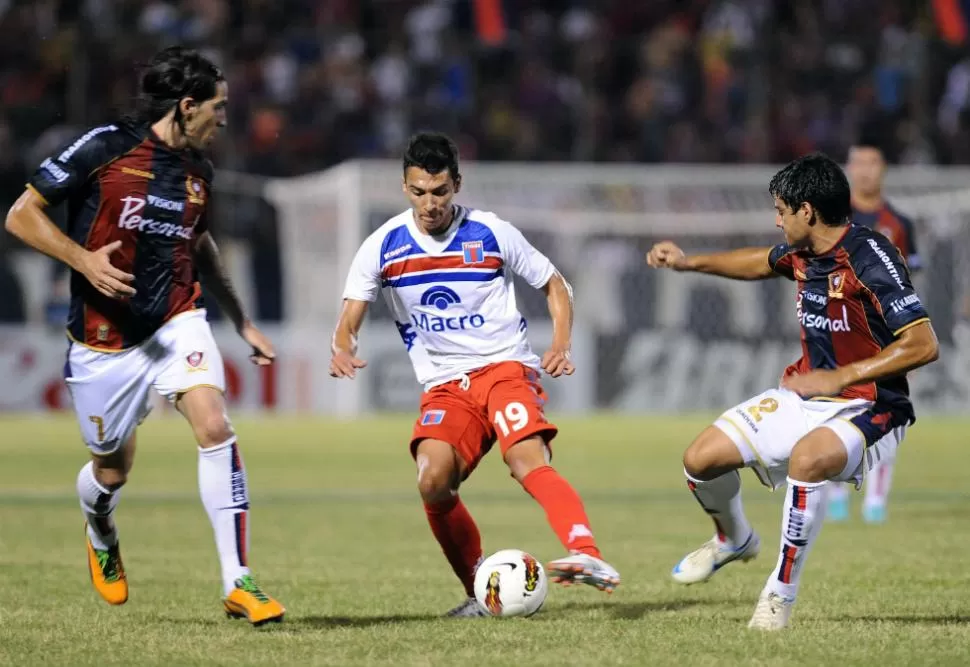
{"x":645,"y":340}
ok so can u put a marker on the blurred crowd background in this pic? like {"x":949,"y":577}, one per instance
{"x":316,"y":82}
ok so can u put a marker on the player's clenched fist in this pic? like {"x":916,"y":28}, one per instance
{"x":666,"y":255}
{"x":344,"y":365}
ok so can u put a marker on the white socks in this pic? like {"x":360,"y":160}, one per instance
{"x":721,"y":499}
{"x":878,"y":482}
{"x":222,"y":485}
{"x":802,"y":518}
{"x":97,"y":504}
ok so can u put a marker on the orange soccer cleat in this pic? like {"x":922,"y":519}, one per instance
{"x":248,"y":601}
{"x":107,"y":572}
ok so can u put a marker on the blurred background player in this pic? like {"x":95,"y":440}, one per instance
{"x":446,"y":274}
{"x":840,"y":407}
{"x":137,"y":192}
{"x":866,"y":169}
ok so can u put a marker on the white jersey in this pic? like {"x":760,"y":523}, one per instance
{"x":451,"y":296}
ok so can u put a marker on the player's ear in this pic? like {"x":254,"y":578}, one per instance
{"x":457,"y":183}
{"x":808,"y":211}
{"x":187,"y":104}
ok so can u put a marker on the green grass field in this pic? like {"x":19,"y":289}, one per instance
{"x":340,"y":538}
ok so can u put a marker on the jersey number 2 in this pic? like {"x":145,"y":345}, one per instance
{"x":513,"y":418}
{"x":766,"y":405}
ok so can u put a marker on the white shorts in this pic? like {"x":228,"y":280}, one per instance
{"x":110,"y":390}
{"x":766,"y":428}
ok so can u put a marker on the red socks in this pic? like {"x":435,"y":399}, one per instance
{"x":564,"y":509}
{"x":459,"y":538}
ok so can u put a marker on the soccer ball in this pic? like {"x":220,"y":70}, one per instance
{"x":511,"y":583}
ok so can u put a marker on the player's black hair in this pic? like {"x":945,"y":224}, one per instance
{"x":872,"y":134}
{"x":434,"y":152}
{"x":171,"y":75}
{"x":818,"y":180}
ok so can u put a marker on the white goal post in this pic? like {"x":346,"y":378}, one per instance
{"x":653,"y":340}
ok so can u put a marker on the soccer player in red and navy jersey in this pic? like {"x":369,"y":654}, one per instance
{"x":866,"y":169}
{"x":137,"y":194}
{"x":842,"y":406}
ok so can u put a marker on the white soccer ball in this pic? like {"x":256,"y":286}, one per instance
{"x":511,"y":583}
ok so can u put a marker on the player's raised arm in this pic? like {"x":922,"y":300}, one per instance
{"x":741,"y":264}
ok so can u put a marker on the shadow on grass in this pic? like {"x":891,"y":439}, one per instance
{"x":614,"y":610}
{"x":951,"y":619}
{"x":631,"y":610}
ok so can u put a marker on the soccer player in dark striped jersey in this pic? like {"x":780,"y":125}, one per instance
{"x":137,"y":193}
{"x":866,"y":169}
{"x":842,"y":406}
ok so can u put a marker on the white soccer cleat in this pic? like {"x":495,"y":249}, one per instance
{"x":582,"y":568}
{"x":470,"y":608}
{"x":700,"y":565}
{"x":772,"y":613}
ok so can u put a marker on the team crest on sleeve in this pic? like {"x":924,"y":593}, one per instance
{"x":432,"y":417}
{"x":473,"y":251}
{"x":195,"y":190}
{"x":836,"y":285}
{"x":196,"y":362}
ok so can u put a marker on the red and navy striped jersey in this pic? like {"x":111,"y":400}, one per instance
{"x":894,"y":226}
{"x":852,"y":302}
{"x":120,"y":182}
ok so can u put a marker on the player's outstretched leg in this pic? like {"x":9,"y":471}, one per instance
{"x":878,"y":482}
{"x":838,"y":502}
{"x":99,"y":489}
{"x":564,"y":509}
{"x":439,"y":474}
{"x":225,"y":495}
{"x":816,"y":458}
{"x":710,"y":465}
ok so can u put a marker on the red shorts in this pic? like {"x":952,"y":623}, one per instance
{"x":502,"y":402}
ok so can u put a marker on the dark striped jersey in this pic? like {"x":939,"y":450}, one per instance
{"x":852,"y":302}
{"x":120,"y":182}
{"x":894,"y":226}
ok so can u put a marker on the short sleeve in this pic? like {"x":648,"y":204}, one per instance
{"x":882,"y":271}
{"x":521,"y":256}
{"x":364,"y":277}
{"x":780,"y":260}
{"x":62,"y":175}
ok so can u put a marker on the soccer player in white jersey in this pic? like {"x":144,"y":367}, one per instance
{"x":446,"y":273}
{"x":841,"y":407}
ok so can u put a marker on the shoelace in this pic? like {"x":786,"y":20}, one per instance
{"x":247,"y":584}
{"x":109,"y":566}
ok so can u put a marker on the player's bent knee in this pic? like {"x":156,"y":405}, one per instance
{"x":818,"y":457}
{"x":438,"y":470}
{"x":712,"y":454}
{"x":435,"y":483}
{"x":213,"y":430}
{"x":111,"y":469}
